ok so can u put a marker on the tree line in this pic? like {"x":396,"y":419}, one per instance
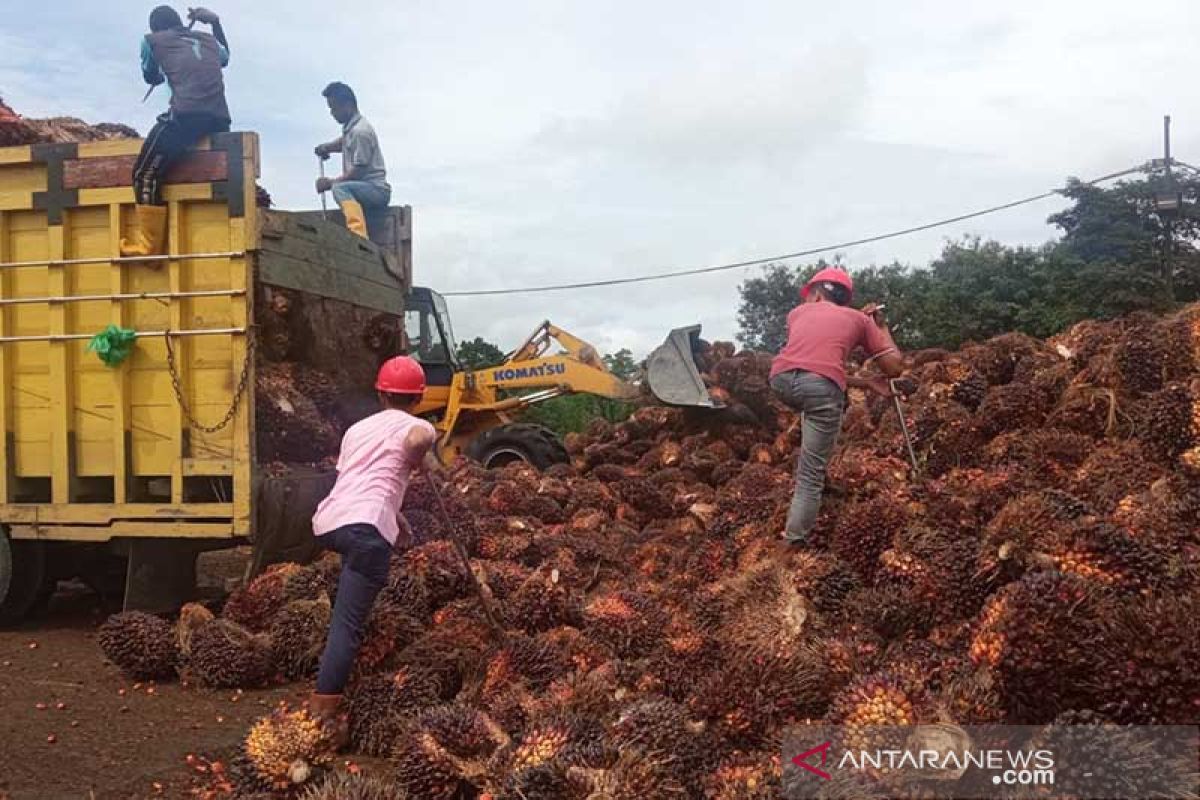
{"x":1120,"y":251}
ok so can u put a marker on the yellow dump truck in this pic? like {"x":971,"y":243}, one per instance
{"x":140,"y":398}
{"x":124,"y":472}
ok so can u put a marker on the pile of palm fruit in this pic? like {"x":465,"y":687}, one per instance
{"x":659,"y":639}
{"x":17,"y":130}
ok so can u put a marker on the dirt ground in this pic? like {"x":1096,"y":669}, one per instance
{"x":71,"y":726}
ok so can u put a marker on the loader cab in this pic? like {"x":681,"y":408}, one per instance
{"x":430,"y":337}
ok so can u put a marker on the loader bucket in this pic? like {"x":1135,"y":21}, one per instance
{"x":672,"y":374}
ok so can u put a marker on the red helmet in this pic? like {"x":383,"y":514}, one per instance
{"x":829,"y":275}
{"x":401,"y":375}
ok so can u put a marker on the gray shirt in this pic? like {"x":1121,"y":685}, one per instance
{"x":360,"y":148}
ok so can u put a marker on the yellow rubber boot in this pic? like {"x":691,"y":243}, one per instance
{"x":149,"y":232}
{"x":356,"y":219}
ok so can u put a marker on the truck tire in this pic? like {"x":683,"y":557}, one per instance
{"x":23,"y":581}
{"x":532,"y":444}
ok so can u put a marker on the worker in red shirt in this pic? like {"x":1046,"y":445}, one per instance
{"x":361,"y":517}
{"x":809,"y":374}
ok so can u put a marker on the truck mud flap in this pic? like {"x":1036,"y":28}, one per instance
{"x":283,"y":516}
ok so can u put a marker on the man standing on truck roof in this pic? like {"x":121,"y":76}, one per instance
{"x":809,"y":374}
{"x":361,"y":518}
{"x":363,"y":183}
{"x":190,"y":62}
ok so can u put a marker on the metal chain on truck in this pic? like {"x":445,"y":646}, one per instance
{"x":239,"y":393}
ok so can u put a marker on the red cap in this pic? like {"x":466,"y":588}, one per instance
{"x":829,"y":275}
{"x":401,"y":375}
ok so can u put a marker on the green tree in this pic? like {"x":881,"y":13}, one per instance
{"x":572,"y":413}
{"x":622,"y":365}
{"x":478,"y":353}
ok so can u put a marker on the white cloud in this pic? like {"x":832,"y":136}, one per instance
{"x":542,"y":141}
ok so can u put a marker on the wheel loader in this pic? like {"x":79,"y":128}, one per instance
{"x":476,"y":412}
{"x":122,"y":470}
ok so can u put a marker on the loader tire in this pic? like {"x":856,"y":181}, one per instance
{"x":23,"y":581}
{"x":532,"y":444}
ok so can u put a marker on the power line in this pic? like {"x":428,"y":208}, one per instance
{"x":788,"y":256}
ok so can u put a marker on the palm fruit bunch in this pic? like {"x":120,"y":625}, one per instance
{"x":660,"y":729}
{"x":1167,"y":422}
{"x":755,"y":692}
{"x":440,"y":570}
{"x":288,"y":747}
{"x":823,"y":579}
{"x":644,"y":497}
{"x":192,"y":617}
{"x":688,"y":653}
{"x":1010,"y":537}
{"x":225,"y":655}
{"x":536,"y":662}
{"x":1037,"y":636}
{"x":629,"y":777}
{"x":765,"y":610}
{"x":443,"y":752}
{"x":997,"y":358}
{"x":629,"y":622}
{"x":389,"y":629}
{"x":1146,"y":668}
{"x":1049,"y":455}
{"x":543,"y":602}
{"x":297,"y":636}
{"x":405,"y":590}
{"x":865,"y":529}
{"x":377,"y":706}
{"x":568,"y":740}
{"x":1093,"y":757}
{"x":934,"y":566}
{"x":142,"y":645}
{"x":872,"y":711}
{"x":754,"y":775}
{"x":1013,"y":406}
{"x":354,"y":786}
{"x":1140,"y":357}
{"x":257,"y":602}
{"x":503,"y":578}
{"x":1112,"y":472}
{"x":1104,"y":553}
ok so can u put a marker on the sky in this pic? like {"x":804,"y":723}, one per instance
{"x":550,"y":141}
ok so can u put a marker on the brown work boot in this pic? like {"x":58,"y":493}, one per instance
{"x":327,"y":708}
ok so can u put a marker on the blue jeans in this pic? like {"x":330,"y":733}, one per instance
{"x":368,"y":195}
{"x":365,"y":558}
{"x":820,"y":402}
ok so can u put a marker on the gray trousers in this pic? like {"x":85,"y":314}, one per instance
{"x":820,"y":403}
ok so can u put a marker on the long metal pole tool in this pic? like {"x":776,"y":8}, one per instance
{"x":485,"y":599}
{"x":912,"y":455}
{"x":324,"y":207}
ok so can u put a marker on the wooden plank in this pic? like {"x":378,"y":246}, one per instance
{"x":175,"y":284}
{"x":286,"y":272}
{"x":124,"y":194}
{"x":113,"y":171}
{"x":16,"y":155}
{"x":110,"y":147}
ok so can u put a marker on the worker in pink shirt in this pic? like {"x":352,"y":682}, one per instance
{"x":809,"y":374}
{"x":360,"y":517}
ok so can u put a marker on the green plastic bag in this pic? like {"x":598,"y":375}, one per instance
{"x":113,"y":344}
